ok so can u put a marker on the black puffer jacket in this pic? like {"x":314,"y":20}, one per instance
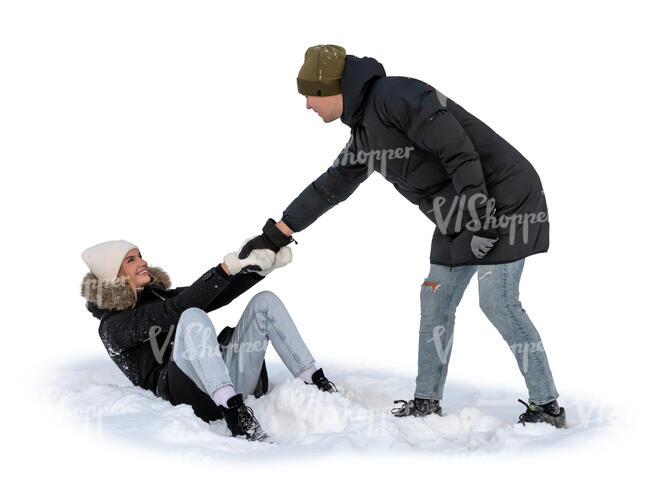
{"x":127,"y":331}
{"x":431,"y":150}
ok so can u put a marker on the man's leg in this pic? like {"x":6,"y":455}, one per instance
{"x":265,"y":318}
{"x":440,"y":294}
{"x":499,"y":300}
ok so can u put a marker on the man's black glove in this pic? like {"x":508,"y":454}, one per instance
{"x":271,"y":238}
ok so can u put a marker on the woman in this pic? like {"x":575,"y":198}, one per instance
{"x":163,"y":340}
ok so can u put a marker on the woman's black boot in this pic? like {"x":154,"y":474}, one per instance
{"x":241,"y":421}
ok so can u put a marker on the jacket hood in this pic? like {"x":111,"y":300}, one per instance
{"x":116,"y":295}
{"x":358,"y":76}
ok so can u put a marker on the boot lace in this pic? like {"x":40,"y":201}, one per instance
{"x":247,"y":419}
{"x":529,"y":415}
{"x":325,"y":384}
{"x":399,"y":409}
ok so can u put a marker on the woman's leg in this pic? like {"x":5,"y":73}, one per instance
{"x":499,"y":300}
{"x":265,"y":318}
{"x":196,"y":353}
{"x":182,"y":390}
{"x":440,"y":294}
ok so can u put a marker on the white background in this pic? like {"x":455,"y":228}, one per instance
{"x":177,"y":126}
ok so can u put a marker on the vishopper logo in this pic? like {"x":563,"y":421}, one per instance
{"x":91,"y":416}
{"x":523,"y":352}
{"x":369,"y":158}
{"x":592,"y":413}
{"x":329,"y":412}
{"x":481,"y":210}
{"x":477,"y":205}
{"x":93,"y":289}
{"x":199,"y":343}
{"x":477,"y":210}
{"x":442,"y":349}
{"x":159,"y":351}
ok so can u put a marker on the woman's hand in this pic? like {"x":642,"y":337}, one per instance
{"x":282,"y":258}
{"x":274,"y":236}
{"x":257,"y":260}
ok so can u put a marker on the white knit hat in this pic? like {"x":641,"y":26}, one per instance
{"x":105,"y":259}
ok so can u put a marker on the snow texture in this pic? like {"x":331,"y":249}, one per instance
{"x":304,"y":421}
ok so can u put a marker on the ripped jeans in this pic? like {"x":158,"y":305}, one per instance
{"x":265,"y":318}
{"x":498,"y":285}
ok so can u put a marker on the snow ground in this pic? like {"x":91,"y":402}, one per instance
{"x":303,"y":421}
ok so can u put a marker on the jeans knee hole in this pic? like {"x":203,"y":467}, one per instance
{"x":432,"y":284}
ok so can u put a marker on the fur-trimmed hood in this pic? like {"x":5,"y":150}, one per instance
{"x":117,"y":295}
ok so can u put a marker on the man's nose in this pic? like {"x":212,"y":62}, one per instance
{"x":307,"y":103}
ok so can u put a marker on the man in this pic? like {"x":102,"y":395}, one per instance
{"x":485,"y":198}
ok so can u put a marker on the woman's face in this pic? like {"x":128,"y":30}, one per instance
{"x":136,"y":268}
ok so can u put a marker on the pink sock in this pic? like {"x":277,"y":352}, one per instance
{"x":306,"y":374}
{"x":223,"y":394}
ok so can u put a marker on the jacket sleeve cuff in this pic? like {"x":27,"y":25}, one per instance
{"x":222,"y":272}
{"x":274,"y":234}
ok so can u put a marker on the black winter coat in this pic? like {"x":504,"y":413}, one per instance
{"x":434,"y":152}
{"x":127,"y":331}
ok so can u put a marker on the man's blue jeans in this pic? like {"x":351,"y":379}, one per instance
{"x":498,"y":284}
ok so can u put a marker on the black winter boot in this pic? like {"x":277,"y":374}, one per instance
{"x":550,"y":413}
{"x":318,"y":378}
{"x":241,"y":421}
{"x":417,"y":407}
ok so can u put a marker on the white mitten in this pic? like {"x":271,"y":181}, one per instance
{"x":258,"y":258}
{"x":282,"y":258}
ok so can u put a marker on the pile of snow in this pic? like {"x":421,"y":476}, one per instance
{"x":302,"y":420}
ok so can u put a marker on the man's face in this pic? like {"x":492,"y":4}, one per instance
{"x":329,"y":108}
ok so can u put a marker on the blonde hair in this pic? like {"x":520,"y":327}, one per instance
{"x":124,"y":278}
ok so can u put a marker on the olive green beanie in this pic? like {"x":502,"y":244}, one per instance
{"x":320,"y":74}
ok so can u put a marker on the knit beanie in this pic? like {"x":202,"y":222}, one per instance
{"x":320,"y":74}
{"x":105,"y":259}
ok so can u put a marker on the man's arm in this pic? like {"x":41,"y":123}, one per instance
{"x":335,"y":185}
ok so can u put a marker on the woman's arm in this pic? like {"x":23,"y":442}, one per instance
{"x":239,"y":283}
{"x":128,"y":328}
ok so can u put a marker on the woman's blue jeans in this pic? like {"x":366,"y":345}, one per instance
{"x":196,"y":349}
